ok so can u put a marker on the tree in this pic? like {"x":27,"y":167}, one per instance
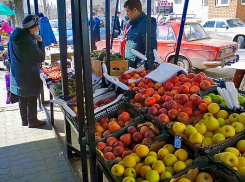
{"x":19,"y":10}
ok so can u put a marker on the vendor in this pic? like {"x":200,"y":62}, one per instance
{"x":26,"y":52}
{"x":136,"y":35}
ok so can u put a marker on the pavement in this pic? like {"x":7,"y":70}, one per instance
{"x":26,"y":154}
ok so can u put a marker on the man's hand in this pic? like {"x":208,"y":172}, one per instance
{"x":39,"y":38}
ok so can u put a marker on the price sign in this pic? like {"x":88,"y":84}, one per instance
{"x":177,"y":141}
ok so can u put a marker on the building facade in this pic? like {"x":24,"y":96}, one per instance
{"x":226,"y":9}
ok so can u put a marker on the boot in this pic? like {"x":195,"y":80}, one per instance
{"x":37,"y":124}
{"x":24,"y":123}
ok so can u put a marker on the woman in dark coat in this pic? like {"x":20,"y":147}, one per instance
{"x":26,"y":52}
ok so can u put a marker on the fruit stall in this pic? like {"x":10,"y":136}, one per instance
{"x":163,"y":124}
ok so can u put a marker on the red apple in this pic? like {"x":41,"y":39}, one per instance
{"x":183,"y":98}
{"x":111,"y":140}
{"x":174,"y":92}
{"x":172,"y":114}
{"x":163,"y":118}
{"x":157,"y":97}
{"x":202,"y":74}
{"x":197,"y":78}
{"x":101,"y":146}
{"x":179,"y":107}
{"x":124,"y":116}
{"x":163,"y":111}
{"x":186,"y":80}
{"x":174,"y":79}
{"x":157,"y":106}
{"x":131,"y":130}
{"x":161,"y":90}
{"x":188,"y":104}
{"x":118,"y":151}
{"x":197,"y":101}
{"x":204,"y":85}
{"x":172,"y":105}
{"x":210,"y":80}
{"x":126,"y":153}
{"x":150,"y":101}
{"x":190,"y":75}
{"x":196,"y":112}
{"x":138,"y":97}
{"x":152,"y":111}
{"x":195,"y":84}
{"x":150,"y":134}
{"x":126,"y":139}
{"x":107,"y":149}
{"x":168,"y":98}
{"x":183,"y":89}
{"x":169,"y":86}
{"x":167,"y":93}
{"x":147,"y":142}
{"x":194,"y":89}
{"x":192,"y":97}
{"x":203,"y":107}
{"x":182,"y":116}
{"x":188,"y":111}
{"x":138,"y":105}
{"x":165,"y":105}
{"x":121,"y":123}
{"x":118,"y":144}
{"x":137,"y":137}
{"x":109,"y":156}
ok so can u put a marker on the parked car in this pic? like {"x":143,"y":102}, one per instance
{"x":231,"y":29}
{"x":69,"y":32}
{"x":198,"y":50}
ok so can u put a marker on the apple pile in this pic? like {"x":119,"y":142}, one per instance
{"x":200,"y":177}
{"x":107,"y":126}
{"x":215,"y":126}
{"x":234,"y":157}
{"x":101,"y":103}
{"x":176,"y":99}
{"x":127,"y":143}
{"x":152,"y":165}
{"x":134,"y":75}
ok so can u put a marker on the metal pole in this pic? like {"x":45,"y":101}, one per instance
{"x":114,"y":24}
{"x":87,"y":75}
{"x":36,"y":6}
{"x":91,"y":25}
{"x":148,"y":33}
{"x":29,"y":7}
{"x":181,"y":31}
{"x":76,"y":28}
{"x":107,"y":14}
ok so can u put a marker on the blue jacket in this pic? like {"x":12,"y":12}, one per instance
{"x":96,"y":26}
{"x":46,"y":32}
{"x":136,"y":39}
{"x":25,"y":55}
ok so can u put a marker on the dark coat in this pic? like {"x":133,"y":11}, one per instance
{"x":46,"y":32}
{"x":25,"y":55}
{"x":96,"y":26}
{"x":136,"y":39}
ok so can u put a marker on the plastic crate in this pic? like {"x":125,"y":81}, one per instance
{"x":214,"y":90}
{"x":218,"y":173}
{"x":215,"y":150}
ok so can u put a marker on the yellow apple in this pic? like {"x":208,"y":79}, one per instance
{"x":137,"y":158}
{"x":207,"y":141}
{"x":121,"y":163}
{"x":162,"y":153}
{"x":218,"y":137}
{"x":128,"y":179}
{"x":139,"y":179}
{"x":150,"y":160}
{"x":227,"y":121}
{"x":204,"y":177}
{"x":170,"y":169}
{"x":138,"y":167}
{"x":196,"y":138}
{"x":241,"y":171}
{"x":230,"y":159}
{"x":208,"y":134}
{"x":152,"y":153}
{"x":223,"y":114}
{"x":179,"y":166}
{"x":179,"y":128}
{"x":130,"y":172}
{"x":142,"y":151}
{"x":170,"y":147}
{"x":189,"y":130}
{"x":235,"y":168}
{"x":221,"y":122}
{"x":218,"y":156}
{"x":152,"y":176}
{"x":234,"y":118}
{"x":181,"y":155}
{"x":184,"y":180}
{"x":241,"y":162}
{"x":242,"y":118}
{"x":233,"y":150}
{"x":166,"y":175}
{"x":201,"y":128}
{"x":201,"y":121}
{"x":212,"y":124}
{"x":228,"y":131}
{"x":117,"y":170}
{"x":241,"y":146}
{"x":158,"y":166}
{"x":144,"y":170}
{"x":207,"y":115}
{"x":189,"y":162}
{"x":213,"y":108}
{"x":219,"y":130}
{"x":170,"y":160}
{"x":239,"y":127}
{"x":129,"y":161}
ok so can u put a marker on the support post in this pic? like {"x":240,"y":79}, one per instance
{"x":181,"y":31}
{"x":91,"y":25}
{"x":76,"y":28}
{"x":107,"y":14}
{"x":148,"y":33}
{"x":114,"y":24}
{"x":36,"y":6}
{"x":29,"y":7}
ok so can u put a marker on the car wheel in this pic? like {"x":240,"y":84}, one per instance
{"x":182,"y":62}
{"x":240,"y":41}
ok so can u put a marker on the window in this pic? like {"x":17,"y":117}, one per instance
{"x":194,"y":32}
{"x":165,"y":32}
{"x":243,"y":2}
{"x":209,"y":24}
{"x":220,"y":24}
{"x":222,"y":2}
{"x":235,"y":23}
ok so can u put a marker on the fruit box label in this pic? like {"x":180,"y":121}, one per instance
{"x":177,"y":141}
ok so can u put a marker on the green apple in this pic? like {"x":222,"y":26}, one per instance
{"x":130,"y":172}
{"x":242,"y":118}
{"x":211,"y":95}
{"x":241,"y":101}
{"x":217,"y":99}
{"x":224,"y":104}
{"x":233,"y":118}
{"x":239,"y":127}
{"x":206,"y":96}
{"x":221,"y":122}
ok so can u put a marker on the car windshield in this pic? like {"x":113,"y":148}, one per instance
{"x":54,"y":24}
{"x":194,"y":32}
{"x":235,"y":23}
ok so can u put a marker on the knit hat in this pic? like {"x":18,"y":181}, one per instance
{"x":30,"y":21}
{"x":40,"y":15}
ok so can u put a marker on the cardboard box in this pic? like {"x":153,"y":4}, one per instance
{"x":56,"y":56}
{"x":116,"y":67}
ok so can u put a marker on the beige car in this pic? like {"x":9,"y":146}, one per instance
{"x":230,"y":29}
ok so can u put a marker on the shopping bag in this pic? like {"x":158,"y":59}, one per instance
{"x":11,"y":98}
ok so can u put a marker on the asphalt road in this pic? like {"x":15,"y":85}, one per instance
{"x":228,"y":71}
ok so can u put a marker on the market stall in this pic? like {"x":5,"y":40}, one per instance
{"x":156,"y":125}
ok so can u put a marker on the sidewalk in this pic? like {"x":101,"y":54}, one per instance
{"x":29,"y":154}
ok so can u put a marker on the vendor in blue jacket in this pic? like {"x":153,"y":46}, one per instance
{"x":136,"y":35}
{"x":46,"y":31}
{"x":26,"y":51}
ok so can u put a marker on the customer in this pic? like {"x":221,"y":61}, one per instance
{"x":26,"y":51}
{"x":136,"y":35}
{"x":124,"y":23}
{"x":117,"y":28}
{"x":96,"y":28}
{"x":46,"y":31}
